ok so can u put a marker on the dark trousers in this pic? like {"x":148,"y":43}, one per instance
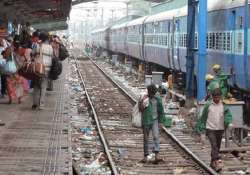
{"x":3,"y":84}
{"x":215,"y":137}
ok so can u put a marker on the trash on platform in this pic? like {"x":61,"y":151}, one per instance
{"x":122,"y":152}
{"x":77,"y":88}
{"x":167,"y":121}
{"x":180,"y":124}
{"x":95,"y":166}
{"x":178,"y":171}
{"x":86,"y":130}
{"x":240,"y":172}
{"x":86,"y":138}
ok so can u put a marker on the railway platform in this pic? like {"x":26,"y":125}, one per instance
{"x":36,"y":142}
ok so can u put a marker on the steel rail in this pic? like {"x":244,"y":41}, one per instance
{"x":175,"y":139}
{"x":106,"y":148}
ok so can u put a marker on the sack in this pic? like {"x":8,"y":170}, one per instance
{"x":56,"y":69}
{"x":10,"y":66}
{"x":63,"y":52}
{"x":2,"y":63}
{"x":136,"y":116}
{"x":32,"y":70}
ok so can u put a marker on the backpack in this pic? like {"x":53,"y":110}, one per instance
{"x":56,"y":69}
{"x":63,"y":52}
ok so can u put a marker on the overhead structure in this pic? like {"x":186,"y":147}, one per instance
{"x":76,"y":2}
{"x":35,"y":11}
{"x":51,"y":26}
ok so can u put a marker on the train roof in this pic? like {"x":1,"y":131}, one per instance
{"x":100,"y":30}
{"x":138,"y":21}
{"x":118,"y":26}
{"x":212,"y":6}
{"x":167,"y":15}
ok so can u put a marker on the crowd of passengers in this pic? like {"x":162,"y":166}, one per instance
{"x":17,"y":50}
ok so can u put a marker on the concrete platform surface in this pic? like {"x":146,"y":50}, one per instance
{"x":35,"y":142}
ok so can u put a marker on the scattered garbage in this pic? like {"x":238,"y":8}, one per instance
{"x":178,"y":171}
{"x":123,"y":153}
{"x":95,"y":166}
{"x":167,"y":121}
{"x":77,"y":88}
{"x":240,"y":172}
{"x":87,"y":151}
{"x":86,"y":130}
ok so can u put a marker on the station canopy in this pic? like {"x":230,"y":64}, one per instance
{"x":35,"y":11}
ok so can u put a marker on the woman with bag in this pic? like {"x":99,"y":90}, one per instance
{"x":15,"y":88}
{"x":43,"y":55}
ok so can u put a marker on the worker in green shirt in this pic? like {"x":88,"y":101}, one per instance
{"x":152,"y":113}
{"x":222,"y":78}
{"x":212,"y":85}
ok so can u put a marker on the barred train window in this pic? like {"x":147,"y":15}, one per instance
{"x":185,"y":40}
{"x":196,"y":40}
{"x":239,"y":43}
{"x":228,"y":43}
{"x":166,"y":43}
{"x":224,"y":41}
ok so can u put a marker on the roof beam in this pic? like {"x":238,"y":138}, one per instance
{"x":76,"y":2}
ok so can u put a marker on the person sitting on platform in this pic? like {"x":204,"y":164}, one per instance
{"x":215,"y":118}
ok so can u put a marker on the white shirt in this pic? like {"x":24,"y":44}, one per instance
{"x":47,"y":54}
{"x":215,"y":119}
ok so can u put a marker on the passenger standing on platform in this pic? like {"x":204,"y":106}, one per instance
{"x":215,"y":118}
{"x":55,"y":41}
{"x":152,"y":114}
{"x":15,"y":88}
{"x":43,"y":54}
{"x":3,"y":46}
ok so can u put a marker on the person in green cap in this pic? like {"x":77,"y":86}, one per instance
{"x":222,"y":78}
{"x":215,"y":118}
{"x":212,"y":85}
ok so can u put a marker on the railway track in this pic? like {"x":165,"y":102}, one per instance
{"x":123,"y":143}
{"x":232,"y":165}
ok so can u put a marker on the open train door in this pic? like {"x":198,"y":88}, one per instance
{"x":175,"y":61}
{"x":238,"y":55}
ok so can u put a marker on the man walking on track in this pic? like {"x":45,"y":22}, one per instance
{"x":152,"y":112}
{"x":215,"y":118}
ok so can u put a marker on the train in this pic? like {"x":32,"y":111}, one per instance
{"x":162,"y":39}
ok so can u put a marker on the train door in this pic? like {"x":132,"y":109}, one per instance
{"x":168,"y":43}
{"x":238,"y":50}
{"x":141,"y":28}
{"x":171,"y":46}
{"x":233,"y":45}
{"x":175,"y":44}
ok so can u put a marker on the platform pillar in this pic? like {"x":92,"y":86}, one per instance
{"x":192,"y":4}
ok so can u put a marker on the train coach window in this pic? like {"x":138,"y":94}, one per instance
{"x":229,"y":41}
{"x":185,"y":40}
{"x":239,"y":42}
{"x":224,"y":41}
{"x":166,"y":43}
{"x":196,"y":40}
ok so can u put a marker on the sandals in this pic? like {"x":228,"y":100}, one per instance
{"x":157,"y":161}
{"x":217,"y":165}
{"x":145,"y":160}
